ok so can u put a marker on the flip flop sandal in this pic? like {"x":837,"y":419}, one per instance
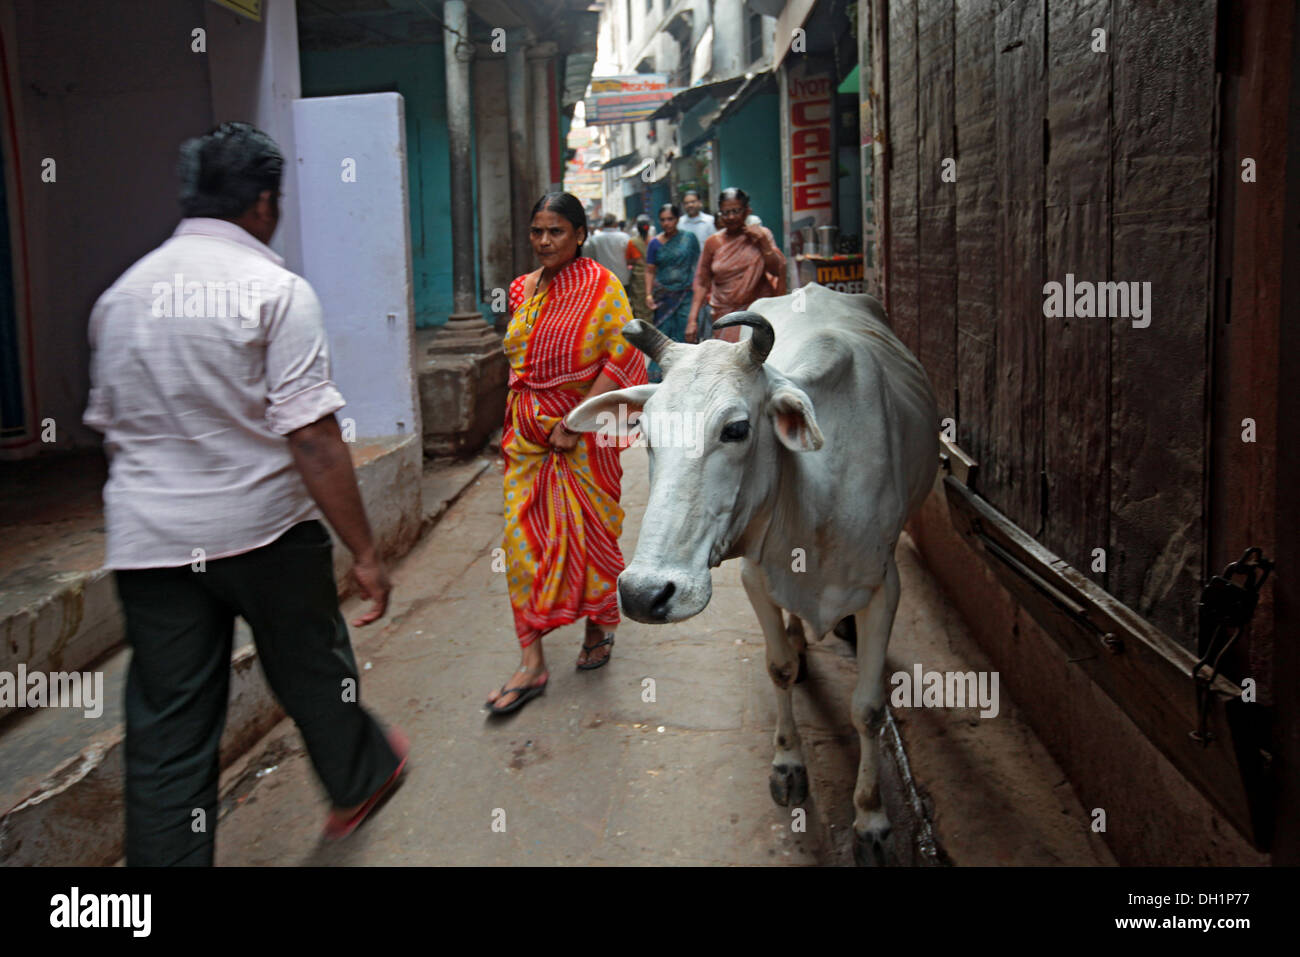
{"x":593,"y":665}
{"x":337,"y":826}
{"x":525,"y":694}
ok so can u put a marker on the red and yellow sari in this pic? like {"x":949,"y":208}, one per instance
{"x":562,"y":511}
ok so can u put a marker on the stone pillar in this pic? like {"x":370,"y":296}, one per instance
{"x":496,"y":227}
{"x":458,"y":56}
{"x":541,"y":63}
{"x":463,"y":368}
{"x":521,"y":159}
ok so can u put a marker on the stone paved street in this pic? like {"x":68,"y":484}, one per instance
{"x":592,"y":774}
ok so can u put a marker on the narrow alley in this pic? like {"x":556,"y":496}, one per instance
{"x":609,"y":768}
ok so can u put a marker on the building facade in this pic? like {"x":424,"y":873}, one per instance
{"x":97,"y":99}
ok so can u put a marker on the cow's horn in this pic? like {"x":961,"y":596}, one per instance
{"x":760,"y":343}
{"x":648,"y":339}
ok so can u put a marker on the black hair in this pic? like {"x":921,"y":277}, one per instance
{"x":224,"y":171}
{"x":733,"y":192}
{"x":677,"y":213}
{"x":568,"y":206}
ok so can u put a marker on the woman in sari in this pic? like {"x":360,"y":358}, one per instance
{"x":670,"y":271}
{"x":562,"y":487}
{"x":636,"y":284}
{"x":737,"y":266}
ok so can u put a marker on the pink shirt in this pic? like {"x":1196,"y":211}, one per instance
{"x":205,"y":354}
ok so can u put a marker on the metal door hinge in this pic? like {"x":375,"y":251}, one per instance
{"x":1226,"y":608}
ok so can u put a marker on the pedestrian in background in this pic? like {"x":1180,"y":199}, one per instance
{"x":701,"y":225}
{"x":636,"y":287}
{"x":670,"y":273}
{"x":696,"y":222}
{"x":562,"y":514}
{"x":609,"y":248}
{"x":222,"y":445}
{"x":737,"y":266}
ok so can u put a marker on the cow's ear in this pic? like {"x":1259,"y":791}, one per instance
{"x":608,"y":413}
{"x":793,"y":419}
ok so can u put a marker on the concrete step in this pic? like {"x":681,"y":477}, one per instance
{"x":58,"y":605}
{"x":61,"y":772}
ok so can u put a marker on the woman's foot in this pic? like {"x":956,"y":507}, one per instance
{"x":596,"y":648}
{"x":531,"y":673}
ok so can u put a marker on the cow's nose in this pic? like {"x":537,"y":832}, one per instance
{"x":659,"y":610}
{"x":646,"y":599}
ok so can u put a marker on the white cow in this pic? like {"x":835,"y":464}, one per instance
{"x":817,"y":438}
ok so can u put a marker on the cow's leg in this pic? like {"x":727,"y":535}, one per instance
{"x":795,"y":631}
{"x":873,"y":623}
{"x":789,"y":779}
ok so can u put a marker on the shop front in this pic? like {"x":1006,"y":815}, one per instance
{"x":821,"y":174}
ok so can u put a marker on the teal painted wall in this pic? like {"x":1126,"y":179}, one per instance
{"x":749,"y":156}
{"x":417,"y":72}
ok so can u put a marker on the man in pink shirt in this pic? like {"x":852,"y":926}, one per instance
{"x":210,"y":382}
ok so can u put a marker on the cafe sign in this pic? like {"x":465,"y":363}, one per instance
{"x":811,"y":112}
{"x":844,"y":276}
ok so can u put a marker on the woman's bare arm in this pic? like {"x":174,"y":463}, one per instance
{"x":702,"y":284}
{"x":564,"y":439}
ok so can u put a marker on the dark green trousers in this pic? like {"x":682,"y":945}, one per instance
{"x":180,"y":626}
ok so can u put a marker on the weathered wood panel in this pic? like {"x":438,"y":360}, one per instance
{"x":1016,"y":458}
{"x":1070,"y":160}
{"x":1249,"y":300}
{"x":1142,"y":670}
{"x":975,"y":112}
{"x":1163,"y":111}
{"x":902,"y":134}
{"x":937,"y":240}
{"x":1076,"y":351}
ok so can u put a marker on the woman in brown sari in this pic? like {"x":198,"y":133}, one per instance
{"x":738,"y":265}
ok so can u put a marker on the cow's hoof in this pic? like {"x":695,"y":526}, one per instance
{"x":803,"y":668}
{"x":871,"y":848}
{"x":789,"y":784}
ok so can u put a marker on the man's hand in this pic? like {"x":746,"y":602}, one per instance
{"x":692,"y":330}
{"x":372,"y":578}
{"x":325,"y":464}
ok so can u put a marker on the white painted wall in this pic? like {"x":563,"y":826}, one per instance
{"x":254,"y":76}
{"x":356,"y":250}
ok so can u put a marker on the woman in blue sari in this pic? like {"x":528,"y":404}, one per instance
{"x":669,"y":275}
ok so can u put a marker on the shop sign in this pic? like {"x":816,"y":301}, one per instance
{"x":844,"y":276}
{"x":812,"y":165}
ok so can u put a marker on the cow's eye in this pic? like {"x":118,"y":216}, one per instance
{"x":735,"y":431}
